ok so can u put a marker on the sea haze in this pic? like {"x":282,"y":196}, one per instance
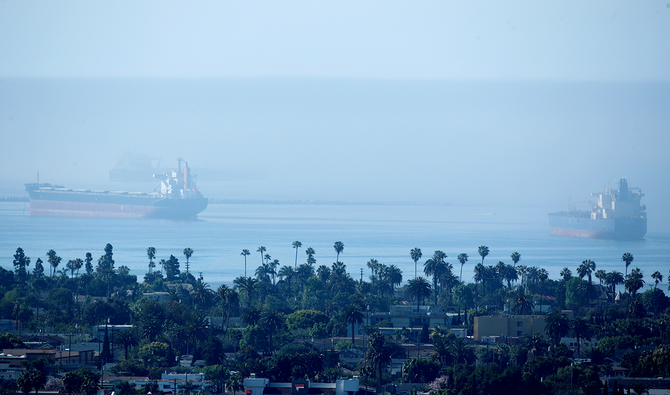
{"x":383,"y":232}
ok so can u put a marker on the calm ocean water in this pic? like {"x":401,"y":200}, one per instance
{"x":385,"y":233}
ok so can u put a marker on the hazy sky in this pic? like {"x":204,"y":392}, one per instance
{"x":476,"y":102}
{"x":565,"y":40}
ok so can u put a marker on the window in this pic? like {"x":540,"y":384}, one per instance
{"x":519,"y":324}
{"x":519,"y":333}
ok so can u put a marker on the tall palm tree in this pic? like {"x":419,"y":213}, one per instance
{"x":601,"y":275}
{"x":579,"y":329}
{"x":54,"y":261}
{"x":339,"y":247}
{"x":151,"y":254}
{"x":272,"y":321}
{"x":416,"y":254}
{"x":516,"y":257}
{"x":634,"y":281}
{"x":187,"y":253}
{"x":245,"y":253}
{"x":379,"y":353}
{"x":127,"y":338}
{"x":261,"y":250}
{"x":435,"y":266}
{"x":296,"y":245}
{"x":419,"y":288}
{"x":483,"y":252}
{"x":628,"y":258}
{"x":522,"y":270}
{"x":353,"y":314}
{"x":310,"y":256}
{"x":374,"y":266}
{"x":462,"y":258}
{"x":229,"y":301}
{"x":658,"y":277}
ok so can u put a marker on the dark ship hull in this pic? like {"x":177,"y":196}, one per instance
{"x":576,"y":225}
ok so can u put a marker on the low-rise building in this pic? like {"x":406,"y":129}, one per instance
{"x":508,"y":326}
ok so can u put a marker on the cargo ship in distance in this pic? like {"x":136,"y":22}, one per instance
{"x":179,"y":198}
{"x":618,"y":214}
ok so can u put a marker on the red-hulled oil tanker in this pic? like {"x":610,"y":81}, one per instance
{"x":179,"y":198}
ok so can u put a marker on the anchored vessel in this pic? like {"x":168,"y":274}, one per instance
{"x":179,"y":198}
{"x":617,"y":215}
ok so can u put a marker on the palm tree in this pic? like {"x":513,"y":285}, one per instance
{"x":628,"y":258}
{"x":151,"y":254}
{"x":614,"y":278}
{"x":586,"y":268}
{"x":566,"y":274}
{"x":245,"y":253}
{"x":521,"y":303}
{"x":352,"y":314}
{"x":229,"y":301}
{"x":462,"y":353}
{"x":579,"y":329}
{"x":288,"y":273}
{"x":483,"y":252}
{"x":658,"y":277}
{"x":634,"y":281}
{"x":516,"y":257}
{"x":557,"y":325}
{"x":296,"y":245}
{"x":416,"y":254}
{"x":247,"y":285}
{"x":522,"y":270}
{"x":435,"y":266}
{"x":462,"y":258}
{"x":127,"y":338}
{"x":601,"y":275}
{"x":379,"y":353}
{"x":54,"y":260}
{"x":310,"y":256}
{"x":252,"y":316}
{"x":339,"y":247}
{"x":419,"y":288}
{"x":187,"y":253}
{"x":374,"y":267}
{"x":261,"y":249}
{"x":272,"y":321}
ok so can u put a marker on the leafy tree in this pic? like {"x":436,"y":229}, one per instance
{"x":83,"y":381}
{"x":38,"y":270}
{"x":21,"y":262}
{"x":31,"y":379}
{"x":420,"y":370}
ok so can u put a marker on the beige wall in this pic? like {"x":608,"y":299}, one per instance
{"x":508,"y":325}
